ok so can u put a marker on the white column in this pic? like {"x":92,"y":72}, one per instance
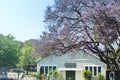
{"x":44,"y":69}
{"x":48,"y":69}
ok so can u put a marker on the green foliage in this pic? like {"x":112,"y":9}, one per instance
{"x":55,"y":74}
{"x":37,"y":74}
{"x":100,"y":77}
{"x":87,"y":74}
{"x":25,"y":54}
{"x":9,"y":50}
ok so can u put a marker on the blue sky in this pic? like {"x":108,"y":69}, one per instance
{"x":23,"y":18}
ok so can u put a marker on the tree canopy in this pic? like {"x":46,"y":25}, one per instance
{"x":91,"y":25}
{"x":9,"y":51}
{"x":26,"y":56}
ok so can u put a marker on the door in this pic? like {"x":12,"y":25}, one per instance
{"x":70,"y":75}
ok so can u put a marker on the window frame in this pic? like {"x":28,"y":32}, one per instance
{"x":93,"y":69}
{"x":48,"y":66}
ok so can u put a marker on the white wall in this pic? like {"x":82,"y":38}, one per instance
{"x":78,"y":75}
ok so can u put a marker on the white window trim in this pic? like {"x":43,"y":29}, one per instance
{"x":48,"y":68}
{"x":93,"y":68}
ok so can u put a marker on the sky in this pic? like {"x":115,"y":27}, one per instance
{"x":23,"y":18}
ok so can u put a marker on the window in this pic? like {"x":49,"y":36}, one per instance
{"x":50,"y":67}
{"x":70,"y":65}
{"x":47,"y":69}
{"x":54,"y":68}
{"x":99,"y":69}
{"x":90,"y":69}
{"x":94,"y":69}
{"x":41,"y":70}
{"x":86,"y":68}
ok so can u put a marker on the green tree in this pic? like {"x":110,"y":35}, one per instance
{"x":25,"y":54}
{"x":9,"y":51}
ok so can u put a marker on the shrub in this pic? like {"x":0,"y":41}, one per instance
{"x":100,"y":77}
{"x":55,"y":74}
{"x":87,"y":74}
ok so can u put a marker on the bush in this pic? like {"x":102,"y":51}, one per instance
{"x":87,"y":74}
{"x":100,"y":77}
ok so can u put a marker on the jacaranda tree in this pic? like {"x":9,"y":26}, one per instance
{"x":91,"y":25}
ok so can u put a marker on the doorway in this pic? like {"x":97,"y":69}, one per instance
{"x":70,"y":75}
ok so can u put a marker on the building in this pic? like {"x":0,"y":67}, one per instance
{"x":71,"y":65}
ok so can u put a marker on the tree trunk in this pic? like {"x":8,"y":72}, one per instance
{"x":117,"y":75}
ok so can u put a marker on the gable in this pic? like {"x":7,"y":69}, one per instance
{"x":76,"y":55}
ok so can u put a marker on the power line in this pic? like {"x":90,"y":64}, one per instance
{"x":3,"y":14}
